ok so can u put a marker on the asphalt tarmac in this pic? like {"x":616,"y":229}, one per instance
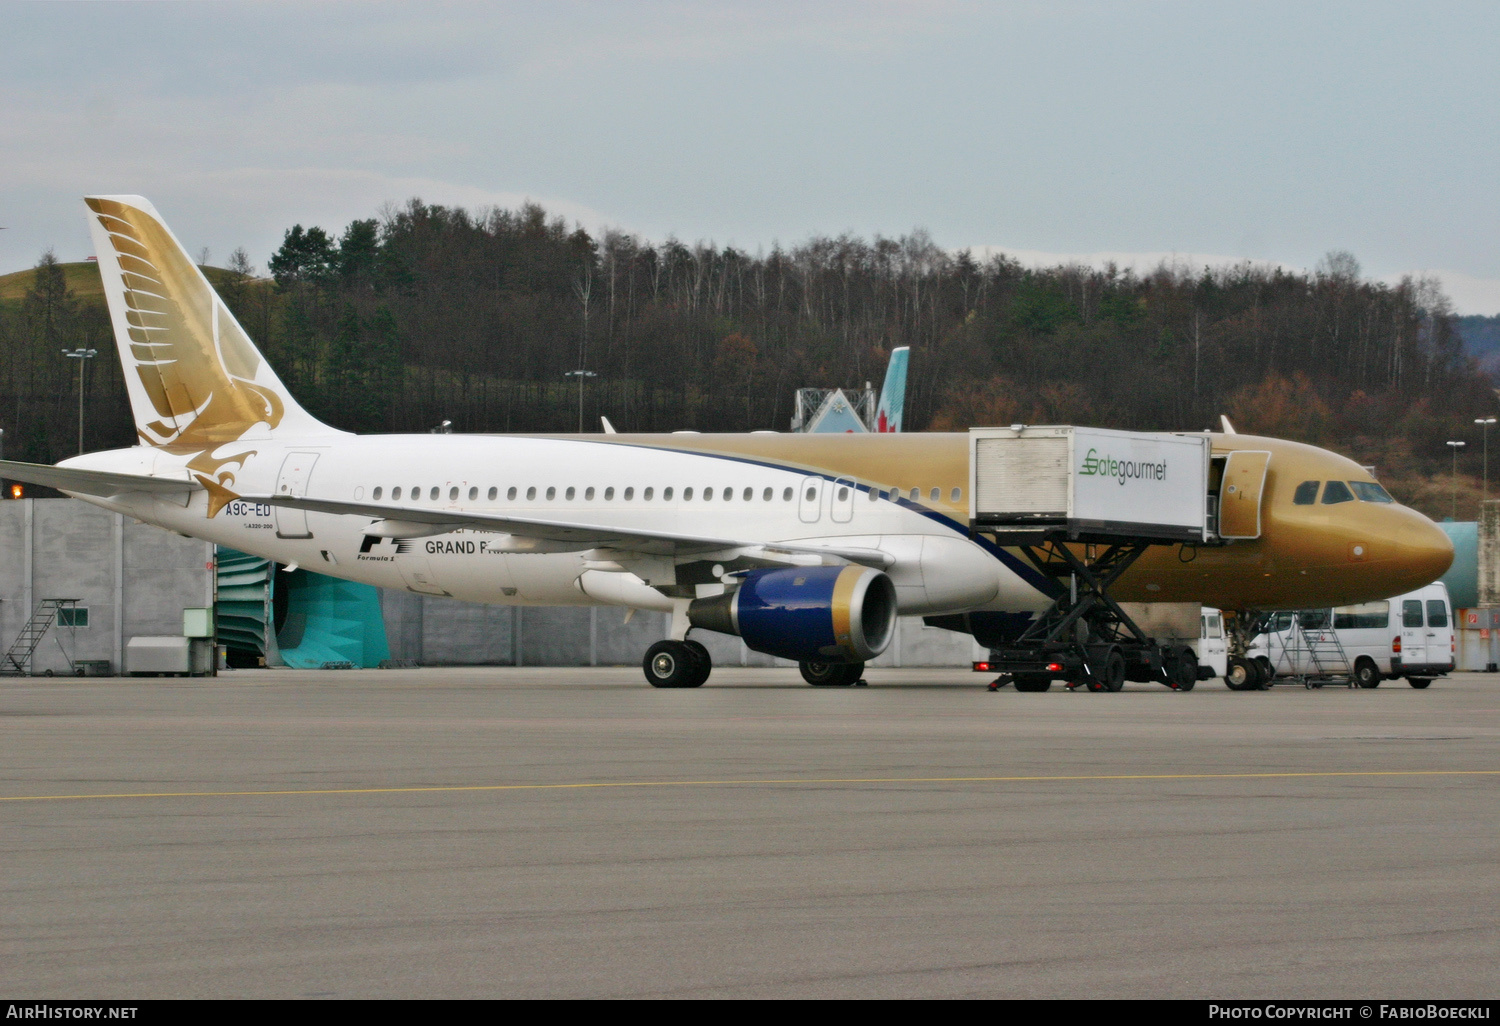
{"x":574,"y":833}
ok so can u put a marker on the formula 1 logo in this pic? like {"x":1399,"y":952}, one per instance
{"x":375,"y":547}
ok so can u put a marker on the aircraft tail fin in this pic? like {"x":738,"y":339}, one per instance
{"x":893,"y":392}
{"x":194,"y":378}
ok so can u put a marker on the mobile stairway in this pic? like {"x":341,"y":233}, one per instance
{"x":1309,"y":652}
{"x":17,"y":659}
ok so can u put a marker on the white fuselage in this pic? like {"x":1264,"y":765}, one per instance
{"x":936,"y":567}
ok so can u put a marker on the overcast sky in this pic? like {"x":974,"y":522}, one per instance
{"x":1272,"y":132}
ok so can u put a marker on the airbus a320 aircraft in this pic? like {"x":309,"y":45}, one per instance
{"x":806,"y":546}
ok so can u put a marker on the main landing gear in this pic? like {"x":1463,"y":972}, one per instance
{"x":677,"y":664}
{"x":833,"y":675}
{"x":687,"y":664}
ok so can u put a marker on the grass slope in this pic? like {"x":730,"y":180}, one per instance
{"x":83,"y":280}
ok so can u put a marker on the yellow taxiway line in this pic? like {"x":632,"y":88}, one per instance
{"x":781,"y":782}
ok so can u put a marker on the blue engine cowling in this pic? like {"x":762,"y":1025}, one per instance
{"x":831,"y":614}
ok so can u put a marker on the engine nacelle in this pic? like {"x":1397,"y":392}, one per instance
{"x":831,"y":614}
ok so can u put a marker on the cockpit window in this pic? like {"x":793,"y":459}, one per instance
{"x":1369,"y":491}
{"x":1336,"y":491}
{"x":1306,"y":493}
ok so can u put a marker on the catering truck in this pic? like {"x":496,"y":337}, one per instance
{"x":1081,"y":505}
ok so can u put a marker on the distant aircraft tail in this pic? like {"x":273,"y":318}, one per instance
{"x":195,"y":380}
{"x":893,"y":392}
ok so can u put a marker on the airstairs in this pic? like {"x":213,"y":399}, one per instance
{"x":1311,"y":653}
{"x":17,"y":660}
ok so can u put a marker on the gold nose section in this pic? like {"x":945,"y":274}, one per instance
{"x":1423,"y":551}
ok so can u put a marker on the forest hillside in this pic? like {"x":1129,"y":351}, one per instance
{"x":429,"y":313}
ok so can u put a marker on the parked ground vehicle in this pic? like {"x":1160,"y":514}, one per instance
{"x":1407,"y":636}
{"x":1212,"y":647}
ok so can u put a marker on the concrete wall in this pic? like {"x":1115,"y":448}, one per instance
{"x":433,"y":631}
{"x":135,"y":580}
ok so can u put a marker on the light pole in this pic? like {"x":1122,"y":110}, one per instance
{"x":580,"y":375}
{"x":1486,"y":422}
{"x":82,"y":355}
{"x":1455,"y":446}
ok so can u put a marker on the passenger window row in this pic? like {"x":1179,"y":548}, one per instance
{"x":1340,"y":491}
{"x":726,"y":494}
{"x":915,"y":495}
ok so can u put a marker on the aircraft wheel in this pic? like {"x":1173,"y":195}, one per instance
{"x":705,"y":664}
{"x":1028,"y":682}
{"x":830,"y":675}
{"x":671,"y":664}
{"x":1366,"y":673}
{"x":1419,"y":682}
{"x":1241,"y":675}
{"x":1267,"y":672}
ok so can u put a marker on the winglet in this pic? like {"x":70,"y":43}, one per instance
{"x":1228,"y":427}
{"x":609,"y":429}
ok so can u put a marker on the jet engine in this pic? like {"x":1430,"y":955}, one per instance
{"x":830,"y":614}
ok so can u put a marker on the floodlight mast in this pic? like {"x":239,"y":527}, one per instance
{"x":580,"y":375}
{"x":1455,"y":446}
{"x":1485,"y":423}
{"x":82,"y":355}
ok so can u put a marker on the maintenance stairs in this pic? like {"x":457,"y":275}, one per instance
{"x":1312,"y":653}
{"x":17,"y":660}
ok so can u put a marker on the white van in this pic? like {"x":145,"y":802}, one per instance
{"x":1407,"y":636}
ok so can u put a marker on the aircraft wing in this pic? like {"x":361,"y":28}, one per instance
{"x":569,"y":532}
{"x":93,"y":482}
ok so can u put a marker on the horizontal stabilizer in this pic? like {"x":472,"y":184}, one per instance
{"x":94,"y":482}
{"x":584,"y":536}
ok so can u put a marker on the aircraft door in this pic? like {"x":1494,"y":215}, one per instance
{"x":842,"y":503}
{"x":295,"y":471}
{"x":810,"y":500}
{"x":1240,"y":494}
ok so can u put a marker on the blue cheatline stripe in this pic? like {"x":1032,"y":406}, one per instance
{"x":1015,"y":564}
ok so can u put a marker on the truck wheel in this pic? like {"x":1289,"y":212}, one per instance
{"x":1419,"y":682}
{"x":1111,"y":673}
{"x":1366,"y":673}
{"x":1184,"y":675}
{"x":1028,"y":682}
{"x":1241,"y":675}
